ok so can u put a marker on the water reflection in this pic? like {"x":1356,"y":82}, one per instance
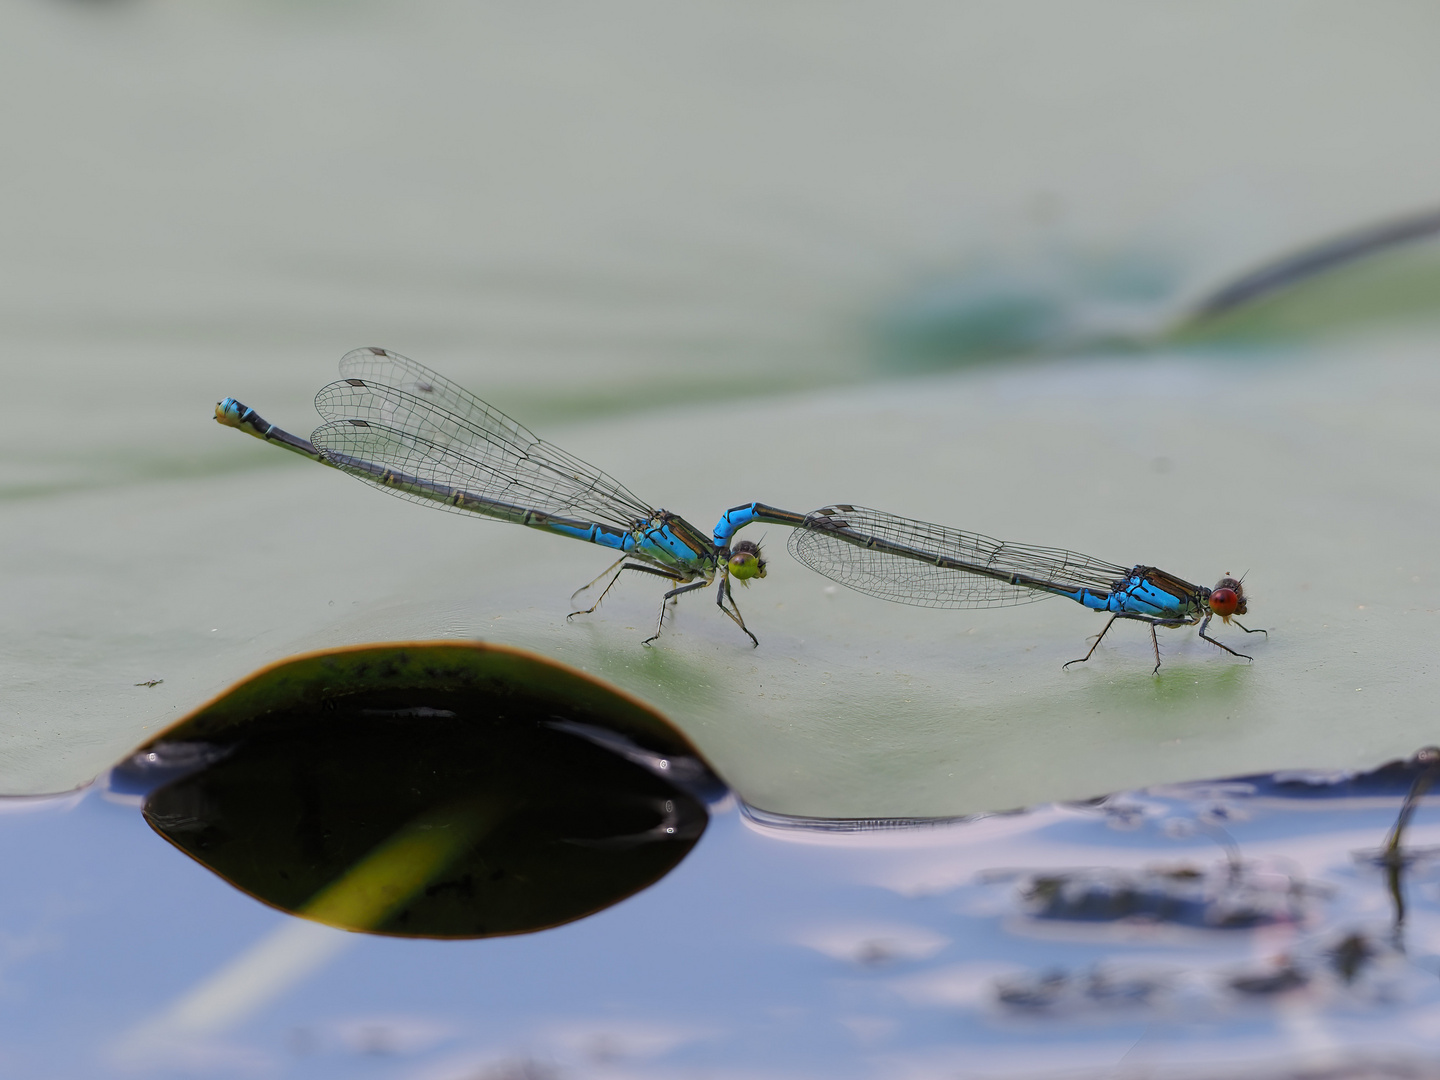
{"x":422,"y":810}
{"x":1242,"y":927}
{"x":1189,"y":905}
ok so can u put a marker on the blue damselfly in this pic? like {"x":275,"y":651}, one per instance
{"x":400,"y":426}
{"x":916,"y":562}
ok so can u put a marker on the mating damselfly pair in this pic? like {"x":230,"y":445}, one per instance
{"x":400,"y":426}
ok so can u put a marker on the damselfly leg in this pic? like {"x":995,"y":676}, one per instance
{"x":660,"y":622}
{"x":1206,"y":622}
{"x":723,"y":594}
{"x":627,"y":566}
{"x":614,"y":568}
{"x":1093,"y":645}
{"x":1154,"y":638}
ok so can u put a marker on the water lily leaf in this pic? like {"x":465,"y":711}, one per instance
{"x":1312,"y":480}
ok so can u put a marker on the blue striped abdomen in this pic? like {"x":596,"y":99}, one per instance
{"x":604,"y":535}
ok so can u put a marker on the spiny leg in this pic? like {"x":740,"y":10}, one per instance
{"x":1247,"y":630}
{"x":615,"y":566}
{"x":1098,"y":638}
{"x":1220,"y":645}
{"x":721,"y":595}
{"x":628,"y":566}
{"x":660,"y":622}
{"x":1155,"y":638}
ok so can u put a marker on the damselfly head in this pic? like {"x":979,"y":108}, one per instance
{"x":1227,"y":598}
{"x":746,"y":561}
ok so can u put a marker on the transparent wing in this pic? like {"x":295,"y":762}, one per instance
{"x":468,"y":444}
{"x":915,"y":562}
{"x":380,"y":367}
{"x":414,"y":468}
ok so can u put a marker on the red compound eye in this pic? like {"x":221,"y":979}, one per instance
{"x":1223,"y":602}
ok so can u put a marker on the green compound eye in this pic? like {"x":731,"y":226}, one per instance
{"x":746,"y":562}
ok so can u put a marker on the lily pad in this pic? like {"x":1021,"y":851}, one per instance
{"x":1308,"y":474}
{"x":660,"y":253}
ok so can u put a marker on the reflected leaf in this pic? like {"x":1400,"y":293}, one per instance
{"x":437,"y":791}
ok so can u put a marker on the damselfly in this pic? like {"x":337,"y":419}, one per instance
{"x":915,"y":562}
{"x":398,"y":425}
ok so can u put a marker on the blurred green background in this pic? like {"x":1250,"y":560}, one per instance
{"x":934,"y":258}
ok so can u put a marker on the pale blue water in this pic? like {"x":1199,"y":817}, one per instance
{"x":1065,"y":939}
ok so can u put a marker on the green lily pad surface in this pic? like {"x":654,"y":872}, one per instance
{"x":1308,"y":474}
{"x":717,"y":259}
